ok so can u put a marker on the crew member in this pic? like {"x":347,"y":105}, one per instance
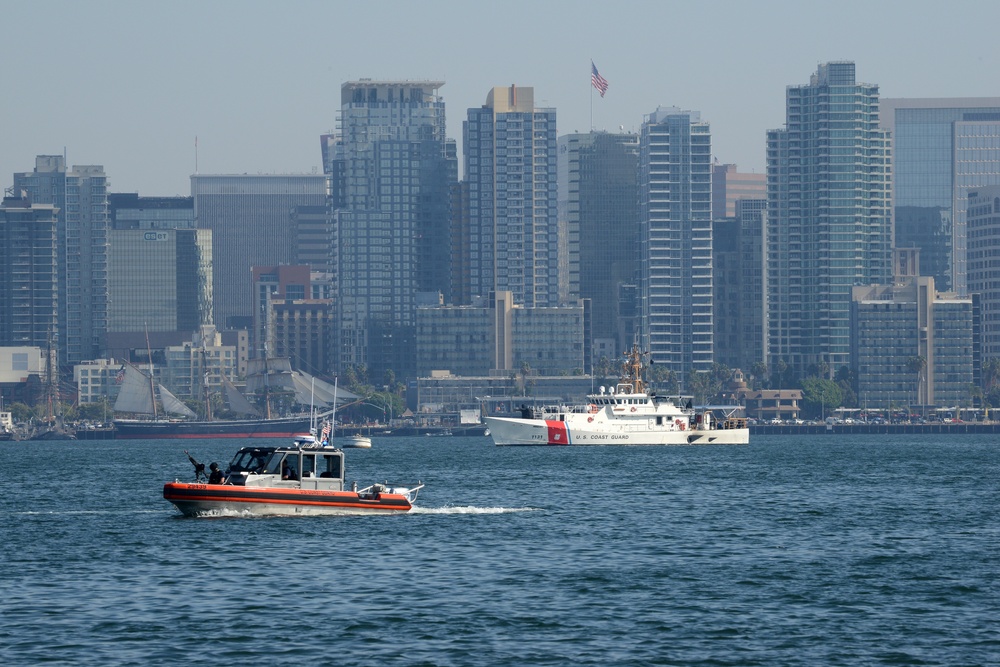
{"x":216,"y":476}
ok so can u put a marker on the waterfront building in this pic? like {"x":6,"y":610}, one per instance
{"x":828,"y":218}
{"x":730,"y":185}
{"x":28,"y":273}
{"x":497,"y":335}
{"x":983,"y":248}
{"x":941,"y":148}
{"x":599,"y":209}
{"x":97,"y":381}
{"x":80,"y":196}
{"x":675,"y":182}
{"x":250,"y":220}
{"x":393,"y":236}
{"x":912,"y":345}
{"x":510,"y":165}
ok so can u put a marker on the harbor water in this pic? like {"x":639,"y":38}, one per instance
{"x":794,"y":550}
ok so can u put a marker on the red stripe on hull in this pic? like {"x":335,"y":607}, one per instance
{"x":558,"y":435}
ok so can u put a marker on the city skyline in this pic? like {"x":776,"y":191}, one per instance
{"x":131,"y":86}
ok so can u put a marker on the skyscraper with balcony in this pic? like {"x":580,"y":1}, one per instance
{"x":510,"y":166}
{"x":675,"y":186}
{"x":829,"y":224}
{"x":81,"y":197}
{"x":28,"y":274}
{"x":392,"y":229}
{"x":942,"y":148}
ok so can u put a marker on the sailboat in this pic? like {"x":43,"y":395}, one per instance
{"x":139,"y":392}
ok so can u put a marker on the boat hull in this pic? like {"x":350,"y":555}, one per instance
{"x":220,"y":499}
{"x":238,"y":428}
{"x":513,"y":431}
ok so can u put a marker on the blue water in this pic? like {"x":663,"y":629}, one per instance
{"x":827,"y":550}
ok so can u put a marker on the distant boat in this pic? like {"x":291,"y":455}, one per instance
{"x":356,"y":442}
{"x":139,"y":393}
{"x":628,"y":414}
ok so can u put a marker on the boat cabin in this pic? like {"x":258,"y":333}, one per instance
{"x":320,"y":468}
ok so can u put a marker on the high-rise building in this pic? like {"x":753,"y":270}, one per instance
{"x":393,"y":231}
{"x":159,"y":280}
{"x":510,"y":165}
{"x":159,"y":265}
{"x":81,"y":197}
{"x":28,"y":274}
{"x":675,"y":182}
{"x":311,"y":235}
{"x":751,"y":215}
{"x":729,"y":186}
{"x":941,"y":148}
{"x":599,"y":209}
{"x":250,"y":219}
{"x":829,"y":224}
{"x":983,"y":216}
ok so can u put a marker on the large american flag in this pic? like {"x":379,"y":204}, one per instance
{"x":597,"y":80}
{"x":325,"y":432}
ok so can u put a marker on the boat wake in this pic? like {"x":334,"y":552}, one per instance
{"x":466,"y":509}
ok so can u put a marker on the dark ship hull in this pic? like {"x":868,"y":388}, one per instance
{"x":237,"y":428}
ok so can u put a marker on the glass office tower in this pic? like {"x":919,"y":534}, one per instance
{"x":393,"y":226}
{"x":942,"y":148}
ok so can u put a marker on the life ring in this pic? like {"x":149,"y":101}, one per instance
{"x":590,"y":419}
{"x":593,"y":409}
{"x":633,"y":408}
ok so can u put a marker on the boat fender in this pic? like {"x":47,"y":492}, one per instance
{"x":593,"y":409}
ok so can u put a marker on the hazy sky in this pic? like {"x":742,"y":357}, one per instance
{"x":129,"y":85}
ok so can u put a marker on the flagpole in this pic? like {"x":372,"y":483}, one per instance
{"x":591,"y":95}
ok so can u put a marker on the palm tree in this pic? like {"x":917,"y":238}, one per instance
{"x":916,"y":365}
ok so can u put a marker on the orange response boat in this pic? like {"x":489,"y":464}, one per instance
{"x":292,"y":480}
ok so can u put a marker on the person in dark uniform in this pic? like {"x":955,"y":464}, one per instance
{"x":216,"y":475}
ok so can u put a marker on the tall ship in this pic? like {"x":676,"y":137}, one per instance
{"x":627,"y":414}
{"x":154,"y":412}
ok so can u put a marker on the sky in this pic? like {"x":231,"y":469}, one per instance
{"x":135,"y":85}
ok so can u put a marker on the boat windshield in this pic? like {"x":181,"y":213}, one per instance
{"x":250,"y":459}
